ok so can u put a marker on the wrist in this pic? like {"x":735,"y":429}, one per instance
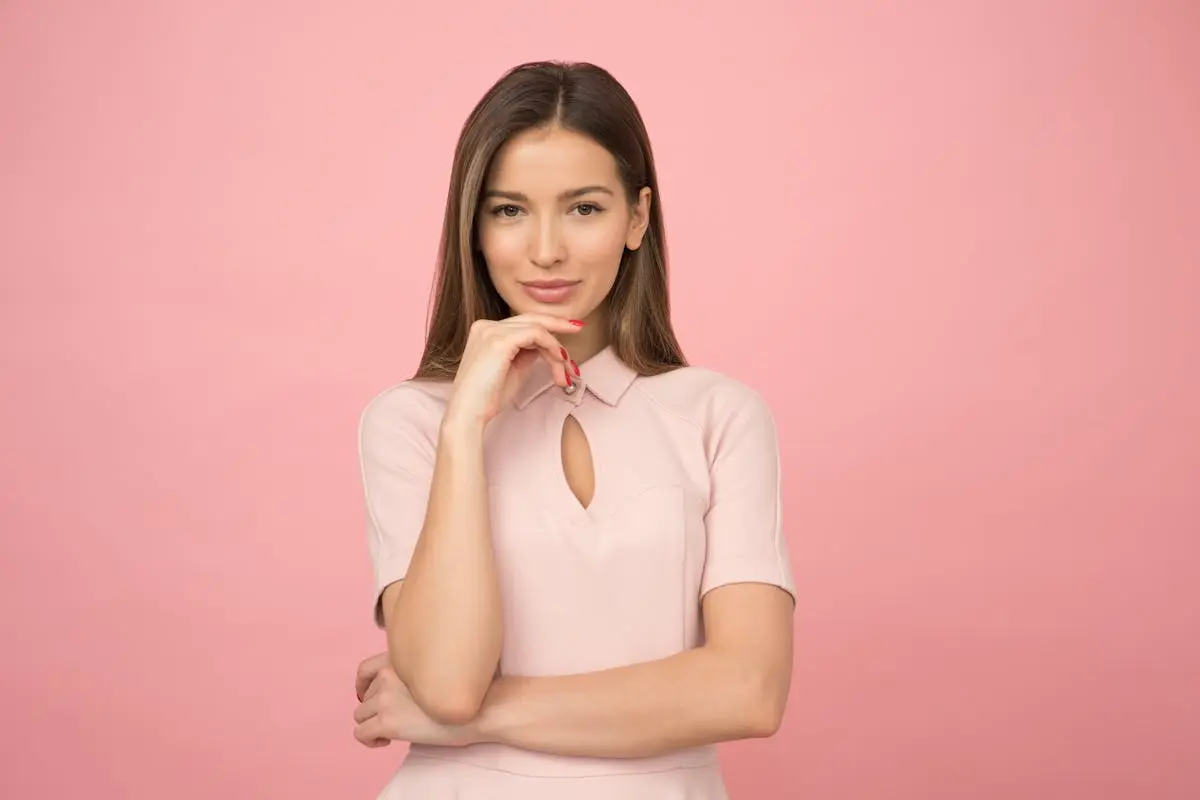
{"x":461,"y":427}
{"x":482,"y":730}
{"x":468,"y":734}
{"x":472,"y":733}
{"x":489,"y":724}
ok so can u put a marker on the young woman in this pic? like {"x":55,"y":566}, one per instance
{"x":576,"y":536}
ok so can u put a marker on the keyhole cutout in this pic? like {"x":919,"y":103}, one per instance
{"x":577,"y":462}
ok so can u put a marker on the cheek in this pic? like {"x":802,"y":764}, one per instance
{"x":503,"y":250}
{"x":599,"y":248}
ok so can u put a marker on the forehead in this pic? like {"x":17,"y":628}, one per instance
{"x":549,"y":160}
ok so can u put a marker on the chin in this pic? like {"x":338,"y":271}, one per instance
{"x":554,"y":310}
{"x":564,"y":310}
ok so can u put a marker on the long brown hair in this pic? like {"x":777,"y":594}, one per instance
{"x":586,"y":99}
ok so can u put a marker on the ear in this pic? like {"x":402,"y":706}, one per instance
{"x":640,"y":220}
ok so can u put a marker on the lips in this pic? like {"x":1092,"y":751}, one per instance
{"x":555,"y":284}
{"x":550,"y":291}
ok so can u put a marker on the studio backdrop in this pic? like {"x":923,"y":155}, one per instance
{"x":954,"y":245}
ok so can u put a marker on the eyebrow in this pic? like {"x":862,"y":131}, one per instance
{"x":568,"y":195}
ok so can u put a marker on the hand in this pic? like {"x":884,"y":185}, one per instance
{"x":497,"y":358}
{"x":387,"y":712}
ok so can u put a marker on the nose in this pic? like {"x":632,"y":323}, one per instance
{"x":546,"y":249}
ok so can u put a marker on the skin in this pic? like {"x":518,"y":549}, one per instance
{"x":553,"y":208}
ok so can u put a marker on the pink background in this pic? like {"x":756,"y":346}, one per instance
{"x":955,"y":245}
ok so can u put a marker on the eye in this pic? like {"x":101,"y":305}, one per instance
{"x":507,"y":211}
{"x":587,"y":209}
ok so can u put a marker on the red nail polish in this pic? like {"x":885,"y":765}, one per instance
{"x":576,"y":323}
{"x":563,"y":350}
{"x":576,"y":366}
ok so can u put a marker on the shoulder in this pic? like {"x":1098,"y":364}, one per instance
{"x":708,"y":399}
{"x":411,"y":409}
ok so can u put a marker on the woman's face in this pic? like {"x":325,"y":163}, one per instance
{"x":554,"y":222}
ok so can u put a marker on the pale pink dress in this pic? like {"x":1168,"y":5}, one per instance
{"x":686,"y":499}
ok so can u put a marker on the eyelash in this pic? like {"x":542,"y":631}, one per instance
{"x":498,"y":211}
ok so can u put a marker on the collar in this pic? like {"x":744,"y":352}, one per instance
{"x":605,"y":375}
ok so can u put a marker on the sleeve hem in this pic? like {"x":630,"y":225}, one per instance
{"x":389,"y":571}
{"x":748,"y":570}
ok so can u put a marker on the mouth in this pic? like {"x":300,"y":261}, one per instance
{"x":554,"y":284}
{"x":550,"y":291}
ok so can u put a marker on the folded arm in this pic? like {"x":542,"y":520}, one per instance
{"x":735,"y":686}
{"x":443,"y":619}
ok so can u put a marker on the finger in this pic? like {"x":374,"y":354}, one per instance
{"x":532,"y":336}
{"x":377,"y":685}
{"x":552,"y":325}
{"x":366,"y":709}
{"x":370,"y":666}
{"x":549,"y":322}
{"x":370,"y":732}
{"x":367,"y":671}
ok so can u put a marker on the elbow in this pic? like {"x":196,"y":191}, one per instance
{"x":765,"y":707}
{"x":447,"y":702}
{"x":451,"y":708}
{"x":447,"y":698}
{"x":766,"y":720}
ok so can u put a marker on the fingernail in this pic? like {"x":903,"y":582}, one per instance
{"x":575,"y":366}
{"x":576,"y":323}
{"x":563,"y":350}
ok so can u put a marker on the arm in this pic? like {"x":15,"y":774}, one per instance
{"x":437,"y":591}
{"x":735,"y":686}
{"x":443,"y":620}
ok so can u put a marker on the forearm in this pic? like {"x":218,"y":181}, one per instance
{"x":701,"y":696}
{"x":444,"y":632}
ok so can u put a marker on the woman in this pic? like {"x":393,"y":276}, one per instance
{"x":576,"y":538}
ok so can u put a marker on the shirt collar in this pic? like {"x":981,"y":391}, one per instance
{"x":605,"y":375}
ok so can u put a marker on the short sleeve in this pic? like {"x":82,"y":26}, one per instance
{"x":397,"y":443}
{"x":743,"y":523}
